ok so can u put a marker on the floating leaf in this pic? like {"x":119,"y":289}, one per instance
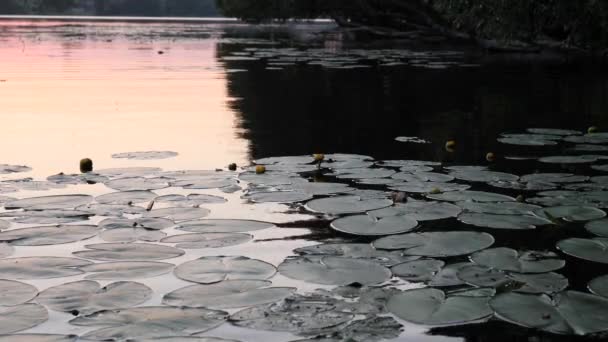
{"x":502,"y":208}
{"x":484,"y":176}
{"x":503,"y":221}
{"x":568,"y":159}
{"x":334,"y":270}
{"x":149,"y":322}
{"x":213,"y":269}
{"x":529,"y":139}
{"x":4,"y":224}
{"x":317,"y":189}
{"x":475,"y":196}
{"x":7,"y":169}
{"x":554,"y":178}
{"x":423,"y":177}
{"x":428,"y":187}
{"x":569,"y":312}
{"x":6,"y":250}
{"x":207,"y":240}
{"x":448,"y":276}
{"x":571,"y":213}
{"x":414,"y":140}
{"x":131,"y":235}
{"x":553,"y":131}
{"x":126,"y":270}
{"x":599,"y":227}
{"x":112,"y":210}
{"x":507,"y":259}
{"x":278,"y":197}
{"x":153,"y":223}
{"x":41,"y":267}
{"x":285,"y":160}
{"x":86,"y":296}
{"x":22,"y":317}
{"x":128,"y":252}
{"x":437,"y":244}
{"x":363,"y":173}
{"x":223,"y":226}
{"x":432,"y":307}
{"x":127,"y":172}
{"x":199,"y":199}
{"x":41,"y":236}
{"x":228,"y":294}
{"x":38,"y":338}
{"x":14,"y":292}
{"x":178,"y":213}
{"x":599,"y":286}
{"x":419,"y":210}
{"x":368,"y":225}
{"x":346,"y":205}
{"x":80,"y":178}
{"x":146,"y":155}
{"x":526,"y":186}
{"x":418,"y":270}
{"x":356,"y":250}
{"x":526,"y":283}
{"x":47,"y":216}
{"x":587,"y":249}
{"x":49,"y":202}
{"x":126,"y":197}
{"x":137,"y":184}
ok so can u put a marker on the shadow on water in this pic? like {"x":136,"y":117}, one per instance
{"x":302,"y":109}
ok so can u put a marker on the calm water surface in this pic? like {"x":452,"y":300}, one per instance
{"x":74,"y":89}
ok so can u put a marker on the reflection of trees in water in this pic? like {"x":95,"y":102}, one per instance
{"x":301,"y":110}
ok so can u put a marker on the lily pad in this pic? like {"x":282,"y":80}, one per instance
{"x":278,"y":197}
{"x":356,"y":250}
{"x":207,"y":240}
{"x":507,"y":259}
{"x":145,"y":155}
{"x":223,"y":226}
{"x":131,"y":235}
{"x":553,"y":131}
{"x":80,"y":178}
{"x":137,"y":184}
{"x":433,"y":307}
{"x":38,"y":338}
{"x":149,"y":322}
{"x":178,"y":213}
{"x":334,"y":270}
{"x":152,"y":223}
{"x":14,"y":292}
{"x":87,"y":296}
{"x":599,"y":227}
{"x":554,"y":178}
{"x":587,"y":249}
{"x":317,"y":189}
{"x":198,"y":199}
{"x":529,"y":139}
{"x":285,"y":160}
{"x":448,"y":275}
{"x":599,"y":286}
{"x":568,"y":159}
{"x":437,"y":244}
{"x":363,"y":173}
{"x":484,"y":176}
{"x":41,"y":236}
{"x":475,"y":196}
{"x":4,"y":224}
{"x":111,"y":210}
{"x":126,"y":197}
{"x":418,"y":270}
{"x":213,"y":269}
{"x":126,"y":270}
{"x":8,"y":169}
{"x":428,"y":187}
{"x":49,"y":202}
{"x":419,"y":210}
{"x":41,"y":267}
{"x":370,"y":226}
{"x":22,"y":317}
{"x":6,"y":250}
{"x":346,"y":205}
{"x":569,"y":312}
{"x":128,"y":252}
{"x":423,"y":177}
{"x":503,"y":221}
{"x":501,"y":208}
{"x":228,"y":294}
{"x":126,"y":172}
{"x":58,"y":216}
{"x":570,"y":213}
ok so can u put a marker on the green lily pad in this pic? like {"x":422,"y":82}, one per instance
{"x":500,"y":208}
{"x":38,"y":338}
{"x":128,"y":252}
{"x":568,"y":159}
{"x":178,"y":213}
{"x":80,"y":178}
{"x":529,"y":139}
{"x":363,"y":173}
{"x":41,"y":267}
{"x":278,"y":197}
{"x":126,"y":270}
{"x":503,"y":221}
{"x":368,"y":225}
{"x":131,"y":235}
{"x":6,"y":250}
{"x":14,"y":292}
{"x":599,"y":286}
{"x":87,"y":296}
{"x":8,"y":169}
{"x":145,"y":155}
{"x":428,"y":187}
{"x":57,"y":216}
{"x":153,"y":223}
{"x":526,"y":186}
{"x":111,"y":210}
{"x":207,"y":240}
{"x":317,"y":189}
{"x":599,"y":227}
{"x":570,"y":213}
{"x":149,"y":322}
{"x":334,"y":270}
{"x":127,"y":172}
{"x":483,"y":176}
{"x":475,"y":196}
{"x":228,"y":294}
{"x":213,"y":269}
{"x":554,"y":131}
{"x":358,"y":251}
{"x":137,"y":184}
{"x":41,"y":236}
{"x":507,"y":259}
{"x":419,"y":210}
{"x":448,"y":275}
{"x":433,"y":307}
{"x":482,"y":276}
{"x":554,"y":178}
{"x":437,"y":244}
{"x":587,"y":249}
{"x":569,"y":312}
{"x":223,"y":226}
{"x":22,"y":317}
{"x":285,"y":160}
{"x":49,"y":202}
{"x":423,"y":177}
{"x":421,"y":270}
{"x":346,"y":205}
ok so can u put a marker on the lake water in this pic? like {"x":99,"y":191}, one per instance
{"x":221,"y":93}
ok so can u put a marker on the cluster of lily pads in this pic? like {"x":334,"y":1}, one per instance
{"x":414,"y":241}
{"x":277,"y":58}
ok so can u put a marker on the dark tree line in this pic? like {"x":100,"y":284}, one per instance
{"x":578,"y":24}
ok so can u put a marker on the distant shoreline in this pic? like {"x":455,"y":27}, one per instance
{"x":213,"y":20}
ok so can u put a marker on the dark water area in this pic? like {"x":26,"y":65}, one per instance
{"x":225,"y":92}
